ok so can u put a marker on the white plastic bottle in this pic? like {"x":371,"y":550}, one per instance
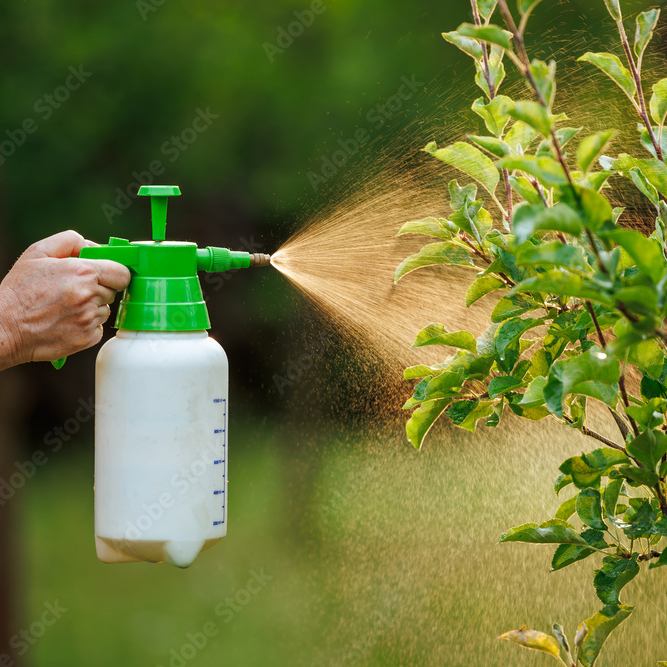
{"x":162,"y":403}
{"x":161,"y":447}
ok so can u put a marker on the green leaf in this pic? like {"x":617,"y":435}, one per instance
{"x":469,"y":46}
{"x":494,"y":114}
{"x":649,"y":448}
{"x":512,"y":329}
{"x":544,"y":77}
{"x":525,"y":188}
{"x":563,"y":284}
{"x":534,"y":394}
{"x":650,"y":415}
{"x":587,"y":470}
{"x":525,"y":6}
{"x":481,"y":287}
{"x":533,"y":114}
{"x":533,"y":639}
{"x":613,"y":576}
{"x":495,"y":146}
{"x":552,"y":254}
{"x":492,"y":34}
{"x":466,"y":414}
{"x":614,"y":8}
{"x":643,"y":185}
{"x":496,"y":73}
{"x":610,"y":497}
{"x":589,"y":508}
{"x":592,"y":147}
{"x":428,"y":227}
{"x":530,"y":219}
{"x":459,"y":197}
{"x":654,"y":170}
{"x":595,"y":211}
{"x":469,"y":160}
{"x":646,"y":23}
{"x":436,"y":334}
{"x":639,"y":476}
{"x":501,"y":385}
{"x":512,"y":306}
{"x":651,"y":388}
{"x":486,"y":8}
{"x":659,"y":102}
{"x":550,"y":532}
{"x":600,"y":626}
{"x":639,"y":520}
{"x":660,"y":563}
{"x":561,"y":482}
{"x":545,"y":169}
{"x":473,"y":219}
{"x":432,"y":254}
{"x":593,"y":365}
{"x":567,"y":509}
{"x":422,"y":420}
{"x":614,"y":69}
{"x":559,"y":633}
{"x":567,"y":554}
{"x":420,"y":371}
{"x":520,"y":136}
{"x":647,"y":253}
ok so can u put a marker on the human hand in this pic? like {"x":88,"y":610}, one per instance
{"x":53,"y":304}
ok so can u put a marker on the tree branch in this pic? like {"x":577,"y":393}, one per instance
{"x":640,"y":92}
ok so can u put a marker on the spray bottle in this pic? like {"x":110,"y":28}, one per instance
{"x":161,"y":443}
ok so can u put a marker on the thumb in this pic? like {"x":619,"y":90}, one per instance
{"x":64,"y":244}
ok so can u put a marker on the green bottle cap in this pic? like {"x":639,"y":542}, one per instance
{"x":164,"y":293}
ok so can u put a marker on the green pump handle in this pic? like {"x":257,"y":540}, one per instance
{"x":164,"y":273}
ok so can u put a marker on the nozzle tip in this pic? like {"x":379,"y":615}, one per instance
{"x":260,"y":259}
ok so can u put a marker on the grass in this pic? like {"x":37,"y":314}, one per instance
{"x":379,"y":555}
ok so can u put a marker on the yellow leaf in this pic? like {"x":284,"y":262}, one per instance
{"x":533,"y":639}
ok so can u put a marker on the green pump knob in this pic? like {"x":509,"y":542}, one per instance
{"x":158,"y":195}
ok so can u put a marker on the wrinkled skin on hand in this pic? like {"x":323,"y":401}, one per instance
{"x":53,"y":304}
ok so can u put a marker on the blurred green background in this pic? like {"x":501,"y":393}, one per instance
{"x":369,"y":545}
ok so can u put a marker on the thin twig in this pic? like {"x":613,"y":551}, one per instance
{"x":640,"y":92}
{"x":596,"y":436}
{"x":591,"y":312}
{"x":485,"y":55}
{"x":508,"y":191}
{"x":626,"y":402}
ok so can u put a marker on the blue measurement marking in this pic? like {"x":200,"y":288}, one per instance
{"x":222,"y":461}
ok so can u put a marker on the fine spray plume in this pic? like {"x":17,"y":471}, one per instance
{"x":161,"y":403}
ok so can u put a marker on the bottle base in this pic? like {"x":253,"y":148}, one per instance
{"x":181,"y":553}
